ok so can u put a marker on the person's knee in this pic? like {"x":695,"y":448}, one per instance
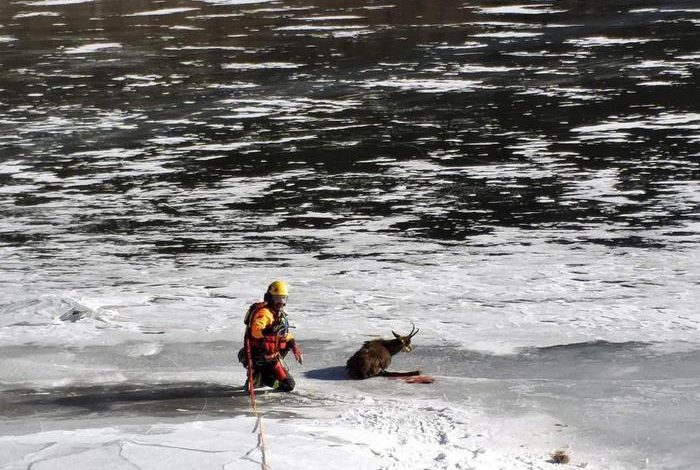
{"x":286,"y":385}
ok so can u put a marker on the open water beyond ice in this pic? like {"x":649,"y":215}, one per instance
{"x":519,"y":180}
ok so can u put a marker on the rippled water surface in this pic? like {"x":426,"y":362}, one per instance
{"x":199,"y":128}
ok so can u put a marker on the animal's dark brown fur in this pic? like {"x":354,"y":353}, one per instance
{"x":374,"y":357}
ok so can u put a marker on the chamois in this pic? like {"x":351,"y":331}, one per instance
{"x":374,"y":357}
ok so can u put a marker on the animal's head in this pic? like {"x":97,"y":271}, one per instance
{"x":406,"y":340}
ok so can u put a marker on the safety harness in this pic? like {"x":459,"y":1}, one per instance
{"x":275,"y":336}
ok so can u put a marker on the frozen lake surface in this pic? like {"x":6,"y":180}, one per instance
{"x":518,"y":180}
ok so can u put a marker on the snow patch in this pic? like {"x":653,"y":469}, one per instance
{"x":91,"y":48}
{"x":507,"y":34}
{"x":236,"y":2}
{"x":535,"y":9}
{"x":46,"y":3}
{"x":163,"y":11}
{"x":262,"y":65}
{"x":36,"y":14}
{"x":603,"y":41}
{"x":427,"y":85}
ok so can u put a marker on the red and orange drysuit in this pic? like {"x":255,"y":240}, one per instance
{"x":268,"y":340}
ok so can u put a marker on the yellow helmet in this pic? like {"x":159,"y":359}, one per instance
{"x":277,"y":288}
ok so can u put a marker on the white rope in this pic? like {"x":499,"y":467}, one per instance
{"x":259,"y":422}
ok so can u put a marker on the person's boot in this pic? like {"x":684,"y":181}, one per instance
{"x":286,"y":385}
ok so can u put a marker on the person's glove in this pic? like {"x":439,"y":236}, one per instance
{"x":297,"y":352}
{"x":272,"y":330}
{"x":279,"y":328}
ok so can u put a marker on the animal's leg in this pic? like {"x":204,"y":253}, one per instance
{"x":386,"y":373}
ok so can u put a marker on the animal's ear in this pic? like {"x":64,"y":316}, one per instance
{"x":398,"y":336}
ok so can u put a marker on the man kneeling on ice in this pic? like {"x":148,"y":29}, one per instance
{"x":267,"y":341}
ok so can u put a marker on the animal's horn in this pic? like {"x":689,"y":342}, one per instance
{"x":414,"y":331}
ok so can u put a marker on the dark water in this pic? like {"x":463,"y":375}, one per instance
{"x":182,"y":132}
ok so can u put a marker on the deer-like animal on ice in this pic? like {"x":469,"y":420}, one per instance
{"x":374,"y":357}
